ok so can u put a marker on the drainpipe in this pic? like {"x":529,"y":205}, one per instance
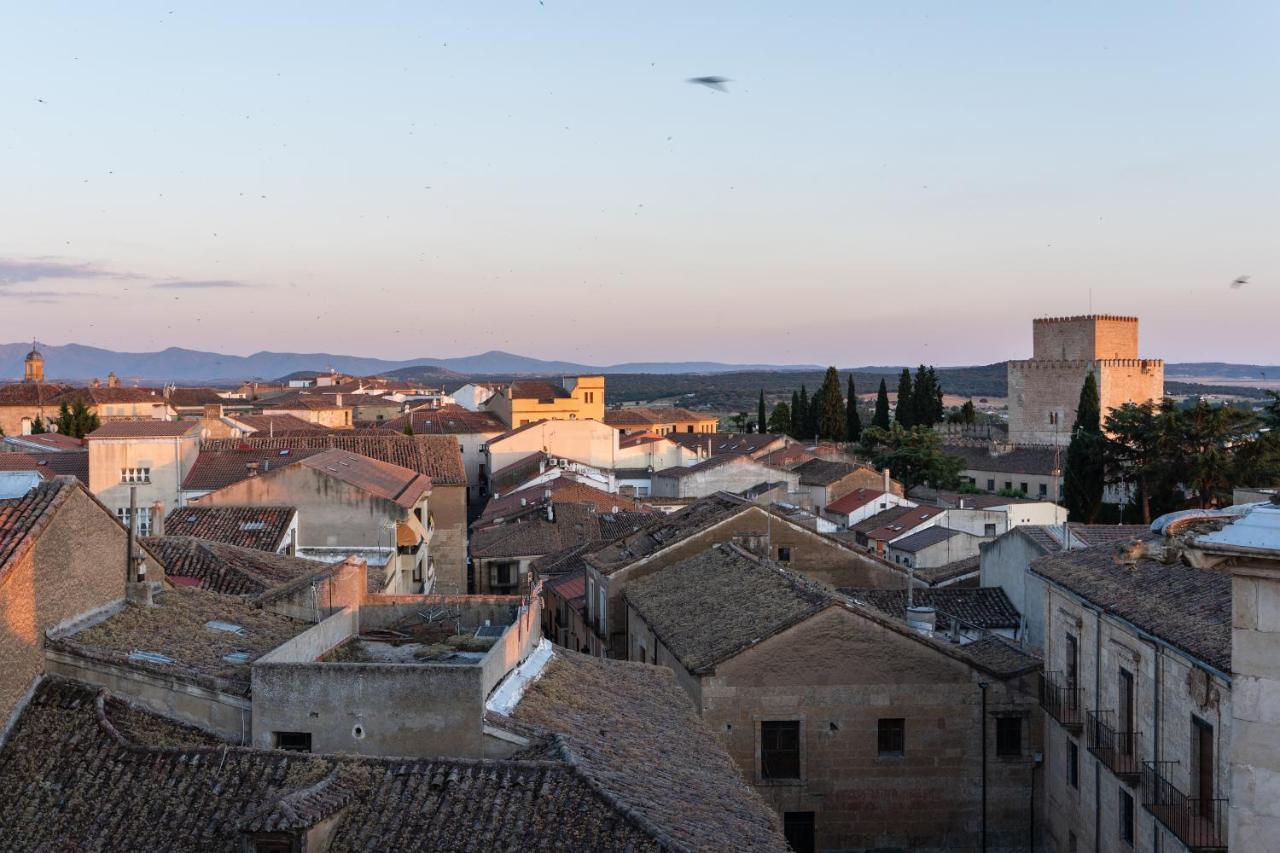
{"x":983,"y":686}
{"x":1097,"y":700}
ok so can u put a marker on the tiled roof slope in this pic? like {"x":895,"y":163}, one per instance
{"x":144,"y":429}
{"x":678,"y":472}
{"x":665,"y":531}
{"x":177,"y":627}
{"x":633,"y":732}
{"x":532,"y":389}
{"x":447,"y":420}
{"x":984,"y":607}
{"x":22,"y":519}
{"x":821,"y":472}
{"x":214,"y":469}
{"x":273,"y":425}
{"x":51,"y":441}
{"x":856,"y":499}
{"x":32,"y":394}
{"x":437,"y":456}
{"x":710,"y":606}
{"x":563,"y":490}
{"x":49,"y":465}
{"x":1021,"y":460}
{"x":1049,"y":538}
{"x":262,"y":528}
{"x":574,"y":524}
{"x":227,"y":569}
{"x":85,"y":772}
{"x":750,"y":443}
{"x":384,"y":479}
{"x":645,"y":415}
{"x":1186,"y":607}
{"x":923,"y":539}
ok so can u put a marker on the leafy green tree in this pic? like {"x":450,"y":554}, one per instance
{"x":1257,"y":462}
{"x":903,"y":415}
{"x":1141,"y":449}
{"x":1271,"y":411}
{"x":829,"y":412}
{"x":408,"y":427}
{"x":914,"y":456}
{"x":852,"y":420}
{"x":968,"y":414}
{"x":793,"y":415}
{"x":881,"y":417}
{"x":76,"y":420}
{"x":37,"y":426}
{"x":740,"y":421}
{"x":1085,"y":477}
{"x":761,"y":419}
{"x":1207,"y":435}
{"x":780,"y":419}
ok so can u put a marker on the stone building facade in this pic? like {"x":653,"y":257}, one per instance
{"x":1044,"y":390}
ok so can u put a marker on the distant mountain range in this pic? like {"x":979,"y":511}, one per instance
{"x":75,"y":362}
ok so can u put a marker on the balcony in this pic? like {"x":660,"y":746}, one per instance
{"x":1117,"y":750}
{"x":1061,"y":700}
{"x":1198,"y":822}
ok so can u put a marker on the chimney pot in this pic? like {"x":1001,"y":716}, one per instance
{"x":251,"y":468}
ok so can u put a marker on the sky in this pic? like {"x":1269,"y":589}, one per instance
{"x":882,"y":182}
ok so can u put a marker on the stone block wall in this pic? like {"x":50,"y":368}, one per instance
{"x":1255,"y":749}
{"x":1087,"y":338}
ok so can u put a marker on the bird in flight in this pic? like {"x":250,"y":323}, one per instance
{"x":1240,"y":282}
{"x":714,"y":83}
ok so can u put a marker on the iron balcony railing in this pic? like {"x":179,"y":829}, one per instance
{"x":1116,"y":749}
{"x":1061,"y":700}
{"x":1199,"y":822}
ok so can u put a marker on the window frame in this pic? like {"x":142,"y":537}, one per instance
{"x":772,"y":729}
{"x":889,"y":730}
{"x":1005,"y":749}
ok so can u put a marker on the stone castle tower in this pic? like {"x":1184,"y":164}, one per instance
{"x":1044,"y":390}
{"x":33,"y":366}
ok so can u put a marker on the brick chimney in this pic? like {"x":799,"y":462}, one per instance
{"x":113,"y":381}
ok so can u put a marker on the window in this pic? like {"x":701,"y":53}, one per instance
{"x":780,"y":749}
{"x":798,"y":829}
{"x":1202,"y":765}
{"x":1008,"y":485}
{"x":294,"y":741}
{"x":991,"y":485}
{"x":603,"y":611}
{"x":1073,"y":764}
{"x":1044,"y":490}
{"x":591,"y":599}
{"x":1009,"y":736}
{"x":1053,"y":418}
{"x":135,"y":475}
{"x":1124,"y":714}
{"x":1022,"y":487}
{"x":144,"y":519}
{"x":988,"y":530}
{"x":1072,"y":663}
{"x":891,"y":736}
{"x":1126,"y":817}
{"x":784,"y":554}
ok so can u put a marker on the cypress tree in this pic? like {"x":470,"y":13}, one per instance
{"x":852,"y":423}
{"x":793,"y":416}
{"x":903,"y":414}
{"x":1085,"y":476}
{"x":800,"y":415}
{"x":829,"y":409}
{"x":881,"y":417}
{"x":761,"y":418}
{"x":37,"y":426}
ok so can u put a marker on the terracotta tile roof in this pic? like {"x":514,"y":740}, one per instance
{"x":49,"y":465}
{"x":148,"y":428}
{"x":273,"y":425}
{"x":923,"y":539}
{"x":108,"y":396}
{"x":678,"y":472}
{"x":447,"y":420}
{"x":190,"y":794}
{"x":574,"y":524}
{"x":565,"y":561}
{"x":896,"y":520}
{"x":569,"y":586}
{"x":821,"y":472}
{"x":533,"y":389}
{"x":227,"y":569}
{"x":1186,"y":607}
{"x":263,"y":528}
{"x":390,"y":482}
{"x":437,"y":456}
{"x":637,"y":736}
{"x":856,"y":499}
{"x":1022,"y":460}
{"x":562,"y":490}
{"x":215,"y":469}
{"x":51,"y":441}
{"x":303,"y":402}
{"x":1049,"y":537}
{"x":199,"y":397}
{"x":950,"y":571}
{"x":32,"y":394}
{"x":788,"y":457}
{"x":665,"y":531}
{"x":23,"y":518}
{"x":711,"y":606}
{"x":648,"y":415}
{"x":982,"y":607}
{"x":177,"y":628}
{"x":750,"y":443}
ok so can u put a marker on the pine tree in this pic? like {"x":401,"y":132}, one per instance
{"x":903,"y":414}
{"x":761,"y":420}
{"x":800,"y":415}
{"x":852,"y":422}
{"x":926,"y":398}
{"x":1084,"y":478}
{"x":829,"y":412}
{"x":881,"y":417}
{"x":63,"y":421}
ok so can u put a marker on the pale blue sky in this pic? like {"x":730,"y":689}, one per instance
{"x":888,"y":182}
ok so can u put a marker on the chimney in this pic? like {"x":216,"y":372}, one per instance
{"x":251,"y":468}
{"x":96,"y":383}
{"x":337,"y":399}
{"x":885,"y":473}
{"x":213,"y":412}
{"x":157,"y":519}
{"x":922,"y":618}
{"x":113,"y":381}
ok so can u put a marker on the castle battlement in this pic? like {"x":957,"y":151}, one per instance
{"x":1082,"y":318}
{"x":1082,"y":363}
